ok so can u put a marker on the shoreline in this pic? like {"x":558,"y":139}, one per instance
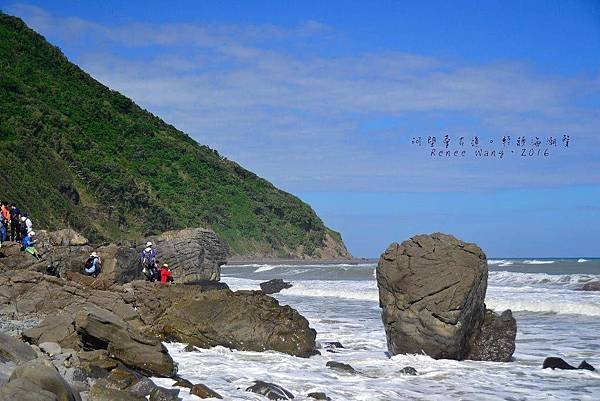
{"x":235,"y":261}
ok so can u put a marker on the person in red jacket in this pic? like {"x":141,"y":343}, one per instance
{"x":165,"y":274}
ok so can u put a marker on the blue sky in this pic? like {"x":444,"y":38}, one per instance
{"x":323,"y":99}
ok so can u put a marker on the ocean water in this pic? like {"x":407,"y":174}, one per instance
{"x":341,"y":303}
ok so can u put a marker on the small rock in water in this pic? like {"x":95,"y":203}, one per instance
{"x":586,"y":366}
{"x":332,"y":344}
{"x":319,"y":396}
{"x":181,"y":382}
{"x":191,"y":348}
{"x":163,"y":394}
{"x":142,"y":388}
{"x":50,"y":348}
{"x":274,"y":286}
{"x":202,"y":391}
{"x":270,"y":390}
{"x":591,"y":286}
{"x":409,"y":370}
{"x":557,"y":363}
{"x":341,"y":366}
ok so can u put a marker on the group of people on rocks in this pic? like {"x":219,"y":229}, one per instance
{"x":17,"y":226}
{"x":148,"y":261}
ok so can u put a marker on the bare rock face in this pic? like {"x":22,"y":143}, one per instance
{"x":193,"y":254}
{"x":432,"y":291}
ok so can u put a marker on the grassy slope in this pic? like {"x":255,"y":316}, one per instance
{"x":72,"y":150}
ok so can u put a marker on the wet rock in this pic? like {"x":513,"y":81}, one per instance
{"x":332,"y":344}
{"x":586,"y":366}
{"x":181,"y":382}
{"x":319,"y":396}
{"x":496,"y":338}
{"x":591,"y":286}
{"x":270,"y":390}
{"x":39,"y":377}
{"x":432,"y":290}
{"x":557,"y":363}
{"x":408,"y":370}
{"x":247,"y":321}
{"x":202,"y":391}
{"x":274,"y":286}
{"x":190,"y":348}
{"x":340,"y":366}
{"x":14,"y":350}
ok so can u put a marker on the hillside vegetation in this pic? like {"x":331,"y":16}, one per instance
{"x":73,"y":152}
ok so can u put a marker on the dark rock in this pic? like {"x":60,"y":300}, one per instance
{"x":190,"y":348}
{"x":409,"y":370}
{"x":247,"y":321}
{"x":181,"y":382}
{"x":14,"y":350}
{"x":200,"y":390}
{"x":586,"y":366}
{"x":496,"y":338}
{"x":332,"y":344}
{"x":319,"y":396}
{"x":432,"y":290}
{"x":557,"y":363}
{"x":164,"y":394}
{"x":21,"y":390}
{"x":101,"y":393}
{"x":193,"y":254}
{"x":591,"y":286}
{"x":340,"y":366}
{"x":37,"y":375}
{"x":270,"y":390}
{"x":274,"y":286}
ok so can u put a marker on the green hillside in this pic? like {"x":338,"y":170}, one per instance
{"x":72,"y":151}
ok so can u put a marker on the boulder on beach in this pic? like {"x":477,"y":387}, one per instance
{"x":202,"y":391}
{"x":247,"y":321}
{"x":37,"y":380}
{"x":432,"y":291}
{"x":13,"y":350}
{"x":274,"y":286}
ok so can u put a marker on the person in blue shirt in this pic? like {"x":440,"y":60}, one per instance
{"x":28,"y":245}
{"x":149,"y":263}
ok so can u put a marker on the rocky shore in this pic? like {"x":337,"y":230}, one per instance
{"x":75,"y":337}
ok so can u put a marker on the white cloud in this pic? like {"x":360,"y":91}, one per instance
{"x":249,"y":92}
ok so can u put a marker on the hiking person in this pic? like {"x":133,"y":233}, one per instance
{"x":28,"y":245}
{"x":165,"y":274}
{"x":148,"y":261}
{"x":15,"y":229}
{"x":5,"y":214}
{"x":93,"y":266}
{"x":3,"y":231}
{"x":26,"y":224}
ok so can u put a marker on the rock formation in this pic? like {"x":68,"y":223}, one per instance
{"x":591,"y":286}
{"x":274,"y":286}
{"x":432,"y":291}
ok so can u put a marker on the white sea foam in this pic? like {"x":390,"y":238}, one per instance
{"x":265,"y":268}
{"x":538,"y":262}
{"x":527,"y":279}
{"x":582,"y":260}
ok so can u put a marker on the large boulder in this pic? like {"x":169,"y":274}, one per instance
{"x":193,"y":254}
{"x":37,"y":380}
{"x":93,"y":328}
{"x":243,"y":320}
{"x":591,"y":286}
{"x":432,"y":291}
